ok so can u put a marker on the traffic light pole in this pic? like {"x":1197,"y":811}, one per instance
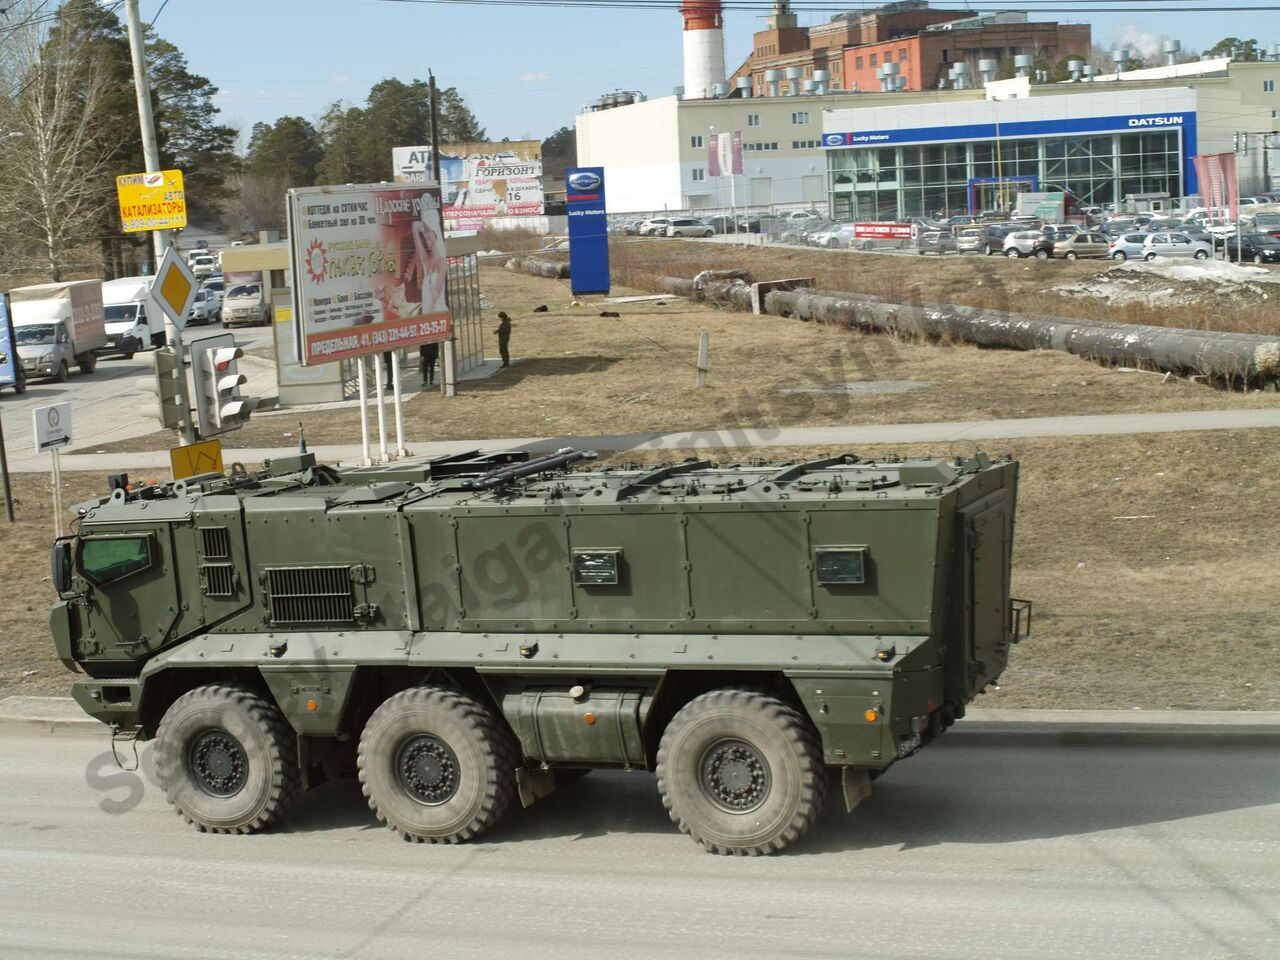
{"x":151,"y":156}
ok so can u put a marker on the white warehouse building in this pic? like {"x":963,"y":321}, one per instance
{"x":880,"y":155}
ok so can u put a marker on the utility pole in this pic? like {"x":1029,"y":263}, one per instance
{"x":151,"y":156}
{"x":448,"y":379}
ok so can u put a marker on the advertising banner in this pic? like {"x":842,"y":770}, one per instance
{"x":724,"y":154}
{"x":152,"y":201}
{"x":8,"y":350}
{"x":479,"y":180}
{"x":588,"y":230}
{"x":1217,"y":175}
{"x":369,"y":269}
{"x":883,"y":231}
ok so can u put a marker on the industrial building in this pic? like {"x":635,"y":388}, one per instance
{"x":900,"y":152}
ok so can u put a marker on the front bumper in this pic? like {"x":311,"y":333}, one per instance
{"x":115,"y":702}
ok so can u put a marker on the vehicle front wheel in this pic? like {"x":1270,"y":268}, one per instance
{"x":1201,"y":255}
{"x":226,"y":759}
{"x":709,"y":233}
{"x":19,"y":381}
{"x":1042,"y":254}
{"x":436,"y":765}
{"x":1012,"y":254}
{"x":741,"y":772}
{"x":1257,"y":258}
{"x":64,"y":372}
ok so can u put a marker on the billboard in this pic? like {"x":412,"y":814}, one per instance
{"x":479,"y":180}
{"x":369,"y":269}
{"x":588,"y":230}
{"x":152,"y":201}
{"x":883,"y":231}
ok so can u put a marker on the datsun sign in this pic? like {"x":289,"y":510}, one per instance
{"x":588,"y":230}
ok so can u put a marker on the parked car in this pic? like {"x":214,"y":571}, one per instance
{"x":1092,"y":244}
{"x":1128,"y":246}
{"x":828,"y":237}
{"x":1264,"y":222}
{"x":801,"y":215}
{"x":631,"y":228}
{"x":1028,"y":243}
{"x":1058,"y":231}
{"x":688,"y":227}
{"x":1255,"y":247}
{"x":217,"y":290}
{"x":654,"y":227}
{"x":986,"y":239}
{"x":203,"y":265}
{"x":204,"y":309}
{"x":935,"y":241}
{"x":1175,"y":245}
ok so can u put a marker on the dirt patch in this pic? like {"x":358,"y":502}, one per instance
{"x":1150,"y":560}
{"x":996,"y":283}
{"x":576,"y":372}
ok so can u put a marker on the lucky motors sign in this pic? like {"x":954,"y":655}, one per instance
{"x":369,"y":269}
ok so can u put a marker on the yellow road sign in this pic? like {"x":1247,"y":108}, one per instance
{"x":175,"y":287}
{"x":196,"y":458}
{"x":152,"y":201}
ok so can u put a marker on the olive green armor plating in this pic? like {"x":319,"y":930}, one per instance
{"x":490,"y":618}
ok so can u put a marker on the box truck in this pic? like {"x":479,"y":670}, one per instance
{"x":57,"y":326}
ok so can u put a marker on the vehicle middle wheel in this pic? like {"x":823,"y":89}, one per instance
{"x":226,"y":759}
{"x":436,"y":765}
{"x":741,"y":772}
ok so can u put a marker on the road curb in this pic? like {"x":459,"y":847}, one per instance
{"x":56,"y":715}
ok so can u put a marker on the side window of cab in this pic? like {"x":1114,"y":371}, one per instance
{"x":105,"y":560}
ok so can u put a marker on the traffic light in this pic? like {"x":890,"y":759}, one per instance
{"x":165,"y":382}
{"x":219,"y":405}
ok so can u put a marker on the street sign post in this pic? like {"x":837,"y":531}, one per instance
{"x":174,"y":291}
{"x":52,"y":430}
{"x":152,"y":201}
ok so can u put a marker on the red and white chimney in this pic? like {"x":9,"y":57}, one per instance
{"x":703,"y":47}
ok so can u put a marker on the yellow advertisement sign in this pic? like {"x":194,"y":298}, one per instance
{"x":196,"y":458}
{"x":152,"y":201}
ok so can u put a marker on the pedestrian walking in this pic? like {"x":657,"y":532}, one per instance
{"x":428,"y":354}
{"x":504,"y":338}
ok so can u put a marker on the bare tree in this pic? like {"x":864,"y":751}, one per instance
{"x":56,"y":175}
{"x":254,"y":203}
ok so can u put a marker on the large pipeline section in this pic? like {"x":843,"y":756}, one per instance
{"x":1236,"y":360}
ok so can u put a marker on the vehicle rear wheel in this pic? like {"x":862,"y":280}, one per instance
{"x":1071,"y":255}
{"x":19,"y":380}
{"x":1012,"y":253}
{"x":226,"y":759}
{"x":1149,"y":257}
{"x":88,"y":364}
{"x":64,"y":372}
{"x":1201,"y":255}
{"x":436,"y":765}
{"x":1042,"y":254}
{"x":1119,"y":255}
{"x":741,"y":772}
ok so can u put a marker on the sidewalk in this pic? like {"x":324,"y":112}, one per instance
{"x":710,"y":440}
{"x":62,"y":715}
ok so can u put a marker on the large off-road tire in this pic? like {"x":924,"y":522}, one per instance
{"x":227,"y":760}
{"x":741,"y":772}
{"x":436,"y":765}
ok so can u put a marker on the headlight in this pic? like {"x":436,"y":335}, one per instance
{"x":46,"y":358}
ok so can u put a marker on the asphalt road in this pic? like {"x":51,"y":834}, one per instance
{"x":1026,"y":849}
{"x":104,"y":404}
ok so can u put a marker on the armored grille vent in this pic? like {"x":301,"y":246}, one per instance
{"x":310,"y":594}
{"x":215,"y":543}
{"x":218,"y":579}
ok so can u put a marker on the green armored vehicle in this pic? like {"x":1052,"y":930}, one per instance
{"x":466,"y":631}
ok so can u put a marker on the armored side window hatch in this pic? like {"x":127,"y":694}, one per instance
{"x":836,"y":565}
{"x":596,"y":568}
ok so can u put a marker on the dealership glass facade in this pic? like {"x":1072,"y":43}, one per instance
{"x":887,"y":183}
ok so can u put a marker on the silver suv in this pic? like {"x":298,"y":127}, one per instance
{"x":687,"y":227}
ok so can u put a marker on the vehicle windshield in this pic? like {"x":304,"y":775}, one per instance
{"x":244,"y":290}
{"x":118,"y":312}
{"x":35,"y":334}
{"x":215,"y":286}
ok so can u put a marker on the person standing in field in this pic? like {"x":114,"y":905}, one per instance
{"x":428,"y":354}
{"x":504,"y":338}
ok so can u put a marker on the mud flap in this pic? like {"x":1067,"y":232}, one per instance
{"x":533,"y":785}
{"x":855,"y":783}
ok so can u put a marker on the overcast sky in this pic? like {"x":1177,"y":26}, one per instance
{"x":524,"y":72}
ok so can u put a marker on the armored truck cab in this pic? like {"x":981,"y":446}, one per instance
{"x":469,"y":630}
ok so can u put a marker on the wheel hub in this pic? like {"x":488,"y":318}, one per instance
{"x":427,"y":769}
{"x":218,"y":763}
{"x":734,"y":776}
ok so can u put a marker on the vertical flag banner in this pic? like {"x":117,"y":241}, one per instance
{"x":588,"y":230}
{"x":1217,"y":175}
